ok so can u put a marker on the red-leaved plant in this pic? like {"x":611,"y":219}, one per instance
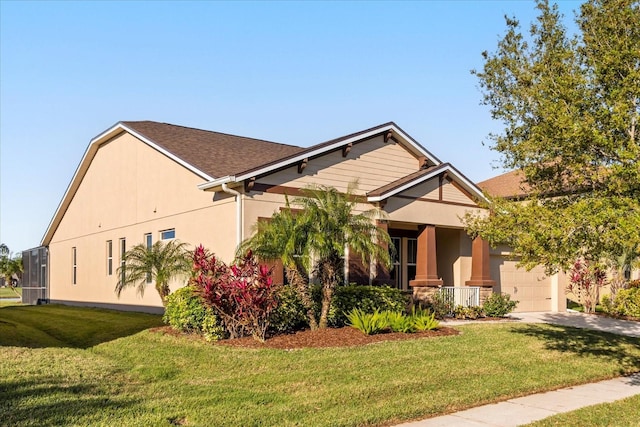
{"x":243,"y":295}
{"x":585,"y":282}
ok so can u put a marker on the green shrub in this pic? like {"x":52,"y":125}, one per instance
{"x":606,"y":304}
{"x":290,"y":315}
{"x":471,"y":313}
{"x":400,"y":322}
{"x":186,"y":312}
{"x":440,"y":305}
{"x":424,"y":320}
{"x":367,"y":323}
{"x":498,"y":305}
{"x":627,"y":302}
{"x":366,"y":298}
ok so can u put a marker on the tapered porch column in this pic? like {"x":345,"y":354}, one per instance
{"x":480,"y":264}
{"x":427,"y":262}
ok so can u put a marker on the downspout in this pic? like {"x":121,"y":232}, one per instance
{"x":228,"y":190}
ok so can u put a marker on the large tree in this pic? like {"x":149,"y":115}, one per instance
{"x":158,"y":264}
{"x":10,"y":266}
{"x":570,"y":107}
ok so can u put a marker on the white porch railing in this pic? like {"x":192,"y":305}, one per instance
{"x":468,"y":296}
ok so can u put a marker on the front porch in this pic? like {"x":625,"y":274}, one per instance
{"x":428,"y":258}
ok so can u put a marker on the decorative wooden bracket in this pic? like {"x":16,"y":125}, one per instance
{"x":249,"y":183}
{"x":302,"y":165}
{"x":423,"y":163}
{"x":346,"y":149}
{"x":388,"y":136}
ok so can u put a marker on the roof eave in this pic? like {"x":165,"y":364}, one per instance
{"x":446,"y":167}
{"x":324,"y":149}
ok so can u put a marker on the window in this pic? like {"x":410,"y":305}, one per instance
{"x":123,"y":250}
{"x":412,"y":256}
{"x":109,"y":257}
{"x":396,"y":269}
{"x":148,"y":239}
{"x":74,"y":274}
{"x":168,"y":234}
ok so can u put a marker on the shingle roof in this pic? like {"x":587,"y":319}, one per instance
{"x":507,"y":185}
{"x":216,"y":154}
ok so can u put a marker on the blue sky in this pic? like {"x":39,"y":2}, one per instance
{"x":292,"y":72}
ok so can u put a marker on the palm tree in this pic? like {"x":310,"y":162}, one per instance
{"x":331,"y":226}
{"x":283,"y":237}
{"x":158,"y":264}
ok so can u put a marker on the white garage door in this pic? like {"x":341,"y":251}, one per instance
{"x":531,"y":288}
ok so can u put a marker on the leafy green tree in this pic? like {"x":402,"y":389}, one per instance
{"x":283,"y":237}
{"x":332,"y":225}
{"x":570,"y":107}
{"x":10,"y":266}
{"x":158,"y":265}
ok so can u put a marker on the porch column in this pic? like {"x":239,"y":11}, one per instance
{"x":481,"y":268}
{"x":426,"y":262}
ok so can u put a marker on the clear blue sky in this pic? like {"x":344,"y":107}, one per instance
{"x":292,"y":72}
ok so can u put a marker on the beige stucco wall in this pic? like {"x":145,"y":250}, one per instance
{"x":130,"y":190}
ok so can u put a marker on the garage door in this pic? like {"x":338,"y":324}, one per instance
{"x":531,"y":288}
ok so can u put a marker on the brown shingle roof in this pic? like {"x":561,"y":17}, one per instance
{"x":507,"y":185}
{"x":216,"y":154}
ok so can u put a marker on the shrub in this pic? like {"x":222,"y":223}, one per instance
{"x":186,"y":312}
{"x":366,"y":298}
{"x":367,"y":323}
{"x":243,"y":295}
{"x":585,"y":281}
{"x":290,"y":315}
{"x":633,"y":284}
{"x":498,"y":305}
{"x":627,"y":302}
{"x":472,"y":312}
{"x":424,"y":320}
{"x":440,"y":305}
{"x":400,"y":322}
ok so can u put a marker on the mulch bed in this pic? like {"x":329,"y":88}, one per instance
{"x":332,"y":337}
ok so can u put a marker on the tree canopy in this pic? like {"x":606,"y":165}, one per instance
{"x":570,"y":107}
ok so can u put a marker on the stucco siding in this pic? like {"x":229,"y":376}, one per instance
{"x":128,"y":191}
{"x":426,"y":212}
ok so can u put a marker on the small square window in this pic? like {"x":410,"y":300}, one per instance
{"x":168,"y":234}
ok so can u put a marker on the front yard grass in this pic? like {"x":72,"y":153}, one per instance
{"x":6,"y":292}
{"x":73,"y":366}
{"x":623,"y":413}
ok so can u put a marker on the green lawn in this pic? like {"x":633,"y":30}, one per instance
{"x":623,"y":413}
{"x":72,"y":366}
{"x":9,"y":293}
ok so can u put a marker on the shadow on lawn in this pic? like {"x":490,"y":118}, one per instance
{"x":72,"y":327}
{"x":49,"y":403}
{"x":583,"y":342}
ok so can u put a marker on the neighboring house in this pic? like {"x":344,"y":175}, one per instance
{"x":143,"y":181}
{"x":535,"y":290}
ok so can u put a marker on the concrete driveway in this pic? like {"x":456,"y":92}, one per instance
{"x":581,"y":320}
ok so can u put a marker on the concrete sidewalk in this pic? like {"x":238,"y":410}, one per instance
{"x":524,"y":410}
